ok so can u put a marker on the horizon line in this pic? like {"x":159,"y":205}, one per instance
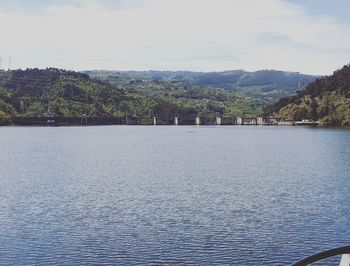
{"x":178,"y":70}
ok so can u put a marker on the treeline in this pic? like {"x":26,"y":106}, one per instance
{"x":37,"y":92}
{"x":326,"y":100}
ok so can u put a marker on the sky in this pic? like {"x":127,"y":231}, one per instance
{"x":307,"y":36}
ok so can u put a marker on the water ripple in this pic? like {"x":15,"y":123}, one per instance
{"x":158,"y":195}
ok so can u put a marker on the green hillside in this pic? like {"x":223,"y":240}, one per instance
{"x":268,"y":85}
{"x":32,"y":92}
{"x":326,"y":100}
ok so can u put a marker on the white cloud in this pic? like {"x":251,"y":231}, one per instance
{"x":176,"y":34}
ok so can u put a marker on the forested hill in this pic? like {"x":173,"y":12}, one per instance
{"x":326,"y":100}
{"x":263,"y":83}
{"x":33,"y":92}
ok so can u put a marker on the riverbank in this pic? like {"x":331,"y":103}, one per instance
{"x":188,"y":124}
{"x":214,"y":121}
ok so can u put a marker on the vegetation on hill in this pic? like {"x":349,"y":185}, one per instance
{"x":6,"y":112}
{"x":326,"y":100}
{"x":268,"y":85}
{"x":35,"y":92}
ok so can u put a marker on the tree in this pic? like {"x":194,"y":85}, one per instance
{"x":4,"y":119}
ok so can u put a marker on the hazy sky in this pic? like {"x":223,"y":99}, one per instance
{"x":309,"y":36}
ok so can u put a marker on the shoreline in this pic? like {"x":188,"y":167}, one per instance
{"x":181,"y":125}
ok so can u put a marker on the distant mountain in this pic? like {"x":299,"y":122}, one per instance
{"x":326,"y":100}
{"x":268,"y":84}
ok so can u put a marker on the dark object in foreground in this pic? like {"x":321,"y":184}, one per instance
{"x":326,"y":254}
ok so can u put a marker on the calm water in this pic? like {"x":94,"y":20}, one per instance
{"x":153,"y":195}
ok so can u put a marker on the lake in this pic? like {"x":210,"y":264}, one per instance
{"x":121,"y":195}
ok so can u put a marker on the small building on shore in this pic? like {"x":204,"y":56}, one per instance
{"x":268,"y":120}
{"x":250,"y":121}
{"x":286,"y":122}
{"x":307,"y":122}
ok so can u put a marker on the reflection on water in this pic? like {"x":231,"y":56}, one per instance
{"x":202,"y":195}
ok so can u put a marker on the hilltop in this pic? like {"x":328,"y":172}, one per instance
{"x":268,"y":85}
{"x":326,"y":100}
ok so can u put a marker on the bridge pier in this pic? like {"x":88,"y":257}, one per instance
{"x":83,"y":120}
{"x":234,"y":121}
{"x":260,"y":120}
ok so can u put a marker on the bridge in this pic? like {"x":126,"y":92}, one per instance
{"x":53,"y":120}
